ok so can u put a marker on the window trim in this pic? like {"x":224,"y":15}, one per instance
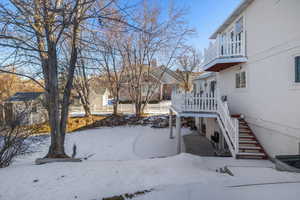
{"x":238,"y":84}
{"x":292,"y":84}
{"x":297,"y":70}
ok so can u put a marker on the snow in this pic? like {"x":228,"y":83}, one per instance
{"x":134,"y":158}
{"x":216,"y":191}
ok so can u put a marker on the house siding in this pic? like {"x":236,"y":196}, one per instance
{"x":271,"y":100}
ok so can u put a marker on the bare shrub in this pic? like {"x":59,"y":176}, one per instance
{"x":13,"y":139}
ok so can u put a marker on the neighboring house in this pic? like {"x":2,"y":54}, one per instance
{"x":99,"y":95}
{"x":25,"y":108}
{"x":98,"y":98}
{"x":166,"y":80}
{"x":256,"y":57}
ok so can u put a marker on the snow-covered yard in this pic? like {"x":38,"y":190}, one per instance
{"x":130,"y":159}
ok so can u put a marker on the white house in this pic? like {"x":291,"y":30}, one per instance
{"x":256,"y":56}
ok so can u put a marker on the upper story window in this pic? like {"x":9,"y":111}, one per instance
{"x":297,"y":69}
{"x":240,"y":79}
{"x":239,"y":26}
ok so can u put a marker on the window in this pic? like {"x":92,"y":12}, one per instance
{"x":243,"y":79}
{"x":237,"y":80}
{"x":213,"y":87}
{"x":297,"y":69}
{"x":239,"y":26}
{"x":240,"y":79}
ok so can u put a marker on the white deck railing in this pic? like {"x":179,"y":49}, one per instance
{"x":225,"y":47}
{"x":194,"y":102}
{"x":210,"y":103}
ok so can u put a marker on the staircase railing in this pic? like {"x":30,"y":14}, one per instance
{"x":230,"y":127}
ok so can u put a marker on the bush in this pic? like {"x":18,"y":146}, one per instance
{"x":13,"y":140}
{"x":12,"y":143}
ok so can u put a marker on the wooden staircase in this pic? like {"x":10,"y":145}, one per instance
{"x":249,"y":146}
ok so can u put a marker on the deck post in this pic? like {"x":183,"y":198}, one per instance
{"x":178,"y":133}
{"x":200,"y":125}
{"x":171,"y":124}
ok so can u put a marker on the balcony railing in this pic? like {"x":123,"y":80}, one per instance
{"x":229,"y":46}
{"x":194,"y":102}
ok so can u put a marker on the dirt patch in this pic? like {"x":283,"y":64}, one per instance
{"x":95,"y":121}
{"x":128,"y":195}
{"x":121,"y":120}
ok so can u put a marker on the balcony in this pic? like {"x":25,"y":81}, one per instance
{"x":194,"y":102}
{"x":226,"y":51}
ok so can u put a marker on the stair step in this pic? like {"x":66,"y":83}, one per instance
{"x":250,"y":154}
{"x":245,"y":131}
{"x":250,"y":147}
{"x":246,"y":136}
{"x":236,"y":115}
{"x":244,"y":128}
{"x":248,"y":141}
{"x":252,"y":157}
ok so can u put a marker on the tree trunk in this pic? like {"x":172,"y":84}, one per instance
{"x":115,"y":107}
{"x":87,"y":110}
{"x":116,"y":104}
{"x":138,"y":109}
{"x":56,"y":149}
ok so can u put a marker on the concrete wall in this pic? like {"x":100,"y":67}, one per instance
{"x":271,"y":100}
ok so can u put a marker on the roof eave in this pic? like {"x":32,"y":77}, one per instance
{"x":243,"y":5}
{"x":204,"y":75}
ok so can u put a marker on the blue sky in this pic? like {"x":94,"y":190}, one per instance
{"x":205,"y":16}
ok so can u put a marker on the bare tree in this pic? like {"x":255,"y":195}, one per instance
{"x":188,"y":63}
{"x":82,"y":87}
{"x":111,"y":65}
{"x":160,"y":41}
{"x":33,"y":32}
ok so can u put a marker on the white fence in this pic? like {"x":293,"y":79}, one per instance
{"x":160,"y":108}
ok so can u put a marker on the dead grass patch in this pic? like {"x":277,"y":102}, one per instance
{"x":74,"y":123}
